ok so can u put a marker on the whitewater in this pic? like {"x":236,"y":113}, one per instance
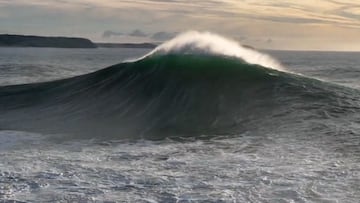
{"x":200,"y":118}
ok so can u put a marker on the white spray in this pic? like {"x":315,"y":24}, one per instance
{"x":194,"y":42}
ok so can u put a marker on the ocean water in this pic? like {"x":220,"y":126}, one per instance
{"x":180,"y":126}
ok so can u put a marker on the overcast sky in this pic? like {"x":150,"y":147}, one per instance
{"x":275,"y":24}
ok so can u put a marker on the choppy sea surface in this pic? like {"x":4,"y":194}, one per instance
{"x":300,"y":144}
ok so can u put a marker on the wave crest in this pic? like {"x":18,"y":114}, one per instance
{"x":206,"y":43}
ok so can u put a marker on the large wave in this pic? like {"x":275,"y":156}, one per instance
{"x":200,"y":85}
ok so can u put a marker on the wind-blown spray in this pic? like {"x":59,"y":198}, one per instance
{"x":206,"y":43}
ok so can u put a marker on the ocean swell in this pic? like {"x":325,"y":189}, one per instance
{"x":168,"y":93}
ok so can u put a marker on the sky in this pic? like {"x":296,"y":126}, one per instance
{"x":264,"y":24}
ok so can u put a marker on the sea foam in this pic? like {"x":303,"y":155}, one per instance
{"x":206,"y":43}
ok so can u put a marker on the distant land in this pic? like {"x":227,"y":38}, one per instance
{"x":8,"y":40}
{"x":127,"y":45}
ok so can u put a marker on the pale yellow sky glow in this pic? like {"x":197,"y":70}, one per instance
{"x":280,"y":24}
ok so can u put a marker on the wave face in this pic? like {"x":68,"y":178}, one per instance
{"x":172,"y":94}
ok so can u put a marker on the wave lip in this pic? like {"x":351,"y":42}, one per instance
{"x":206,"y":43}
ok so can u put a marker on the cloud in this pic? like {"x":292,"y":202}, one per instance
{"x":134,"y":33}
{"x":269,"y":41}
{"x":162,"y":12}
{"x":110,"y":33}
{"x":137,"y":33}
{"x":162,"y":36}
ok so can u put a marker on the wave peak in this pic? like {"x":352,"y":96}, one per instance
{"x":194,"y":42}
